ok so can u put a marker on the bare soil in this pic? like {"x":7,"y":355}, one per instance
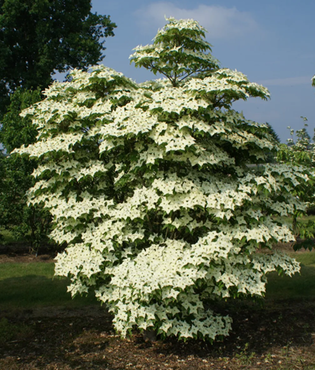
{"x":277,"y":335}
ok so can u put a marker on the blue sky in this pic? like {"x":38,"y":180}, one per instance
{"x":270,"y":41}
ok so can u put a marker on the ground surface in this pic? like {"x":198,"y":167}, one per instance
{"x":280,"y":335}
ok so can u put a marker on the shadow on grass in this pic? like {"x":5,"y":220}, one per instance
{"x":299,"y":286}
{"x":33,"y":291}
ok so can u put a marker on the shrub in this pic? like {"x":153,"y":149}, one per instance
{"x":159,"y":190}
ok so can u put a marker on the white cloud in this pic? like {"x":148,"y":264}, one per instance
{"x":220,"y":22}
{"x":288,"y":81}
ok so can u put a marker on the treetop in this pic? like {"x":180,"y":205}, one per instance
{"x":178,"y":51}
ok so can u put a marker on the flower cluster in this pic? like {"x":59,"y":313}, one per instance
{"x":160,"y":191}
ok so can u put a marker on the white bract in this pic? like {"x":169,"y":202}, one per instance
{"x":159,"y":189}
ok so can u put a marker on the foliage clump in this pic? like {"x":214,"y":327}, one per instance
{"x":160,"y":189}
{"x":39,"y":38}
{"x":299,"y":150}
{"x":28,"y":223}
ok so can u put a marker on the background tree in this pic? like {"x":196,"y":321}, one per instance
{"x":16,"y":130}
{"x":150,"y":186}
{"x":41,"y":37}
{"x":37,"y":39}
{"x":273,"y":133}
{"x":27,"y":222}
{"x":299,"y":151}
{"x":271,"y":156}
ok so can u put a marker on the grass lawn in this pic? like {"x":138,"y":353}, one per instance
{"x":32,"y":285}
{"x":300,"y":286}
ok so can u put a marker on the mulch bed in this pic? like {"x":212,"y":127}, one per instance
{"x":279,"y":337}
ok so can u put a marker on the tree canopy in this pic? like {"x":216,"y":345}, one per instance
{"x":16,"y":130}
{"x":40,"y":37}
{"x":152,"y":186}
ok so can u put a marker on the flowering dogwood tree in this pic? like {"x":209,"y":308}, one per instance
{"x":158,"y":188}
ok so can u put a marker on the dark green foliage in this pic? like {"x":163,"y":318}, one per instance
{"x":299,"y":150}
{"x":40,"y":37}
{"x":271,"y":155}
{"x":17,"y":130}
{"x":273,"y":133}
{"x":29,"y":223}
